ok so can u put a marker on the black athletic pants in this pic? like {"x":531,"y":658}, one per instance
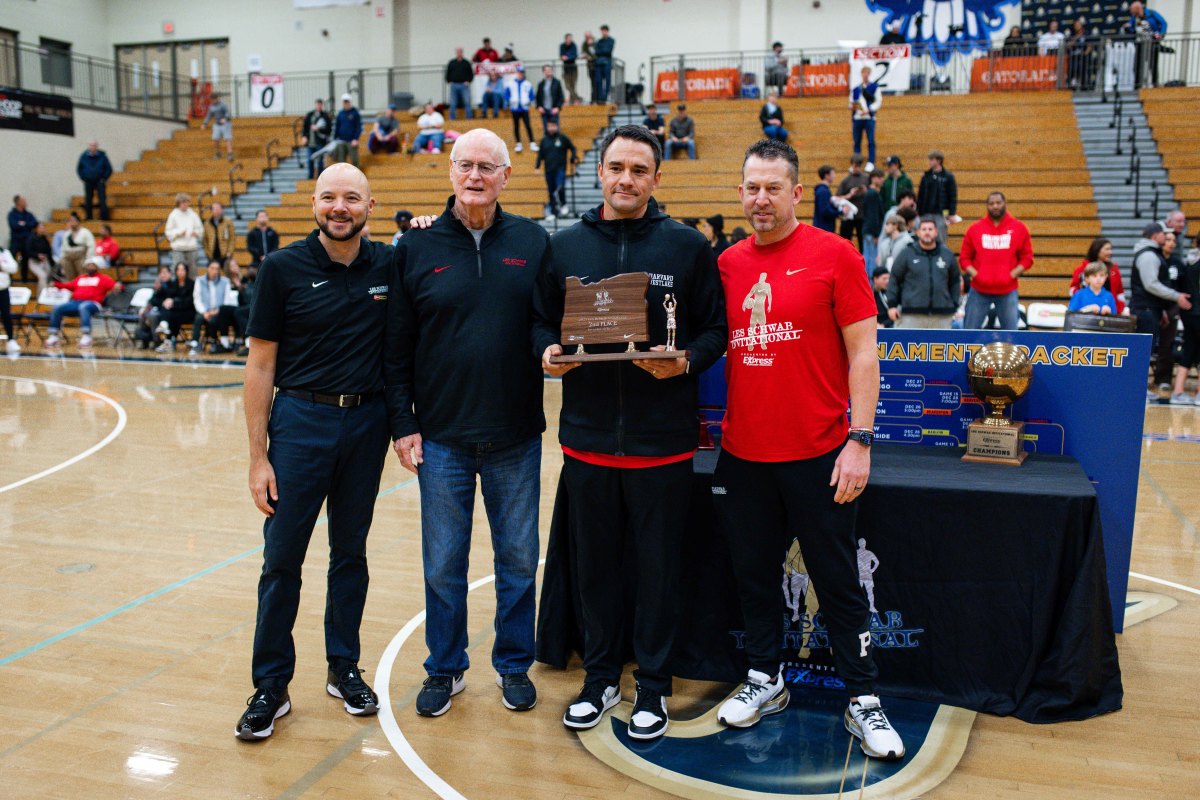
{"x":612,"y":508}
{"x":760,"y":507}
{"x":518,"y":116}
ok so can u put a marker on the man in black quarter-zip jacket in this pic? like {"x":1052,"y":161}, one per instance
{"x":628,"y":429}
{"x":464,"y":397}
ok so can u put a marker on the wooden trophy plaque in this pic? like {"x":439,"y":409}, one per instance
{"x":612,"y":311}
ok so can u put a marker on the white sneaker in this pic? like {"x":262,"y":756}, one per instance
{"x":1152,"y":396}
{"x":869,"y":167}
{"x":518,"y":148}
{"x":589,"y":707}
{"x":52,"y":340}
{"x":193,"y":346}
{"x":533,"y":147}
{"x":1181,"y":399}
{"x":759,"y":696}
{"x":563,"y":211}
{"x":168,"y":346}
{"x":85,"y":340}
{"x":866,"y":721}
{"x":12,"y":348}
{"x":163,"y":327}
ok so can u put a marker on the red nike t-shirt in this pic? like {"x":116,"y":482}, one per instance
{"x":787,"y":370}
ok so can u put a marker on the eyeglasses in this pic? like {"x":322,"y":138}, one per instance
{"x":485,"y":169}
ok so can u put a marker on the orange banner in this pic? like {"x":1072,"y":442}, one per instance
{"x":819,"y":79}
{"x":702,"y":84}
{"x":1014,"y":73}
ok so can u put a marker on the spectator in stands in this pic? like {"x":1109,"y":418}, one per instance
{"x":21,"y":223}
{"x":430,"y":130}
{"x":1149,"y":27}
{"x":893,"y":35}
{"x":244,"y":284}
{"x":894,"y":239}
{"x":568,"y":54}
{"x":926,"y":282}
{"x":8,"y":268}
{"x":79,"y":245}
{"x":1050,"y":41}
{"x":604,"y":58}
{"x":222,"y":122}
{"x":347,"y":130}
{"x":1093,"y":298}
{"x":493,"y":95}
{"x":508,"y":56}
{"x":938,"y":195}
{"x":554,"y":154}
{"x":486,"y":52}
{"x":318,"y":128}
{"x":854,"y":188}
{"x":865,"y":100}
{"x":770,"y":117}
{"x":38,"y":256}
{"x":208,"y":298}
{"x":185,"y":232}
{"x":403,"y":221}
{"x":107,"y":247}
{"x":1101,"y":250}
{"x":1081,"y":61}
{"x":880,"y":278}
{"x":261,"y":239}
{"x":872,"y":219}
{"x":151,"y":316}
{"x":1016,"y":43}
{"x":825,"y":213}
{"x":996,"y":251}
{"x":683,"y":134}
{"x":87,"y":298}
{"x":655,"y":124}
{"x":737,"y":234}
{"x":520,"y":99}
{"x":550,"y":99}
{"x":385,"y":135}
{"x":219,"y":237}
{"x":94,"y":169}
{"x":459,"y":74}
{"x":176,"y":309}
{"x":907,"y":198}
{"x":1164,"y":359}
{"x":897,"y":181}
{"x":1188,"y":282}
{"x":589,"y":55}
{"x":713,"y":229}
{"x":775,"y":71}
{"x":1176,"y":222}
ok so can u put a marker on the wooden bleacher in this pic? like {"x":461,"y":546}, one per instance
{"x":1170,"y":113}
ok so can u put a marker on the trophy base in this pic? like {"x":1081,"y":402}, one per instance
{"x":624,"y":355}
{"x":996,"y":444}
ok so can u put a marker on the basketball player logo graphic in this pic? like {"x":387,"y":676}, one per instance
{"x":867,"y":564}
{"x":944,"y":26}
{"x":758,"y":303}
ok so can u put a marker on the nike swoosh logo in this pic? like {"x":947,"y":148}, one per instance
{"x":322,"y":283}
{"x":629,"y":336}
{"x":794,"y":271}
{"x":439,"y":269}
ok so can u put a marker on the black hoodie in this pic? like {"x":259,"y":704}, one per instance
{"x":617,"y":407}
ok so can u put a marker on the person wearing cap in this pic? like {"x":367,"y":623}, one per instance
{"x":403,"y":220}
{"x":347,"y":130}
{"x":995,"y":252}
{"x":185,"y":231}
{"x":682,"y":134}
{"x":318,"y":129}
{"x":314,"y":389}
{"x":865,"y":99}
{"x":459,"y":74}
{"x":508,"y":55}
{"x":78,"y":246}
{"x":222,"y":120}
{"x":775,"y":69}
{"x":897,"y":181}
{"x":555,"y":152}
{"x":1152,"y":300}
{"x":385,"y":136}
{"x":429,"y":130}
{"x":520,"y":98}
{"x":87,"y":297}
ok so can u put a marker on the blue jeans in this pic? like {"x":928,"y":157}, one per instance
{"x":670,"y":147}
{"x":547,"y":118}
{"x":603,"y":76}
{"x":556,"y":187}
{"x":494,"y":101}
{"x":460,"y":96}
{"x":84,"y":309}
{"x":316,"y":163}
{"x":318,"y":451}
{"x":422,"y":139}
{"x":978,"y":305}
{"x":867,"y":126}
{"x":510,"y":478}
{"x":777,"y":132}
{"x":870,"y":250}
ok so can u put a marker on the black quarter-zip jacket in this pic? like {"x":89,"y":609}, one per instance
{"x":617,"y":407}
{"x":457,"y":366}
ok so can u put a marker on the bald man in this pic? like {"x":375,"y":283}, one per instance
{"x":314,"y":390}
{"x":464,"y":392}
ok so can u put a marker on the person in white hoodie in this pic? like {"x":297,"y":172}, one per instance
{"x":520,"y":98}
{"x":210,"y":296}
{"x":184,"y":231}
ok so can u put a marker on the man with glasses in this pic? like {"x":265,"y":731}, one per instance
{"x":464,"y":394}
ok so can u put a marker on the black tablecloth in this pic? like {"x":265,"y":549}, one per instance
{"x":996,"y":572}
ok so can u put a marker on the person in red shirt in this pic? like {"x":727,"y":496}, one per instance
{"x":1101,"y":250}
{"x":996,"y":251}
{"x":87,"y":296}
{"x":801,"y":347}
{"x":107,"y":247}
{"x":485,"y":53}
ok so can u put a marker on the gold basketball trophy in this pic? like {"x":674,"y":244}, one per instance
{"x":999,"y":373}
{"x":612,"y":311}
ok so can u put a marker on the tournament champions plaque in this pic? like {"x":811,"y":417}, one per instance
{"x":999,"y":373}
{"x":612,"y":311}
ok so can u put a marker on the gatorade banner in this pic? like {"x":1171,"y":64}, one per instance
{"x":1014,"y":73}
{"x":702,"y":84}
{"x":811,"y":80}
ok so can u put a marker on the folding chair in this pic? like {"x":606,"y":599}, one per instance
{"x":127,"y":319}
{"x":18,"y":299}
{"x":47,"y":299}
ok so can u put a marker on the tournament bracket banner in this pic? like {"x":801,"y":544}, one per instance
{"x":891,"y":66}
{"x":34,"y":111}
{"x":1014,"y":73}
{"x":702,"y":84}
{"x":1087,"y":400}
{"x":266,"y":94}
{"x":819,"y":79}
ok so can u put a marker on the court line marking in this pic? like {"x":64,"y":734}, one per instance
{"x":387,"y":717}
{"x":139,"y":601}
{"x":97,"y":360}
{"x":122,"y":418}
{"x":1162,"y":582}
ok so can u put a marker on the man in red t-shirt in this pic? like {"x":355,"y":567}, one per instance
{"x":996,"y":251}
{"x":87,"y":296}
{"x":801,"y":347}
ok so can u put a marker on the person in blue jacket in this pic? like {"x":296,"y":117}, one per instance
{"x":825,"y":213}
{"x":94,"y":169}
{"x":1148,"y":27}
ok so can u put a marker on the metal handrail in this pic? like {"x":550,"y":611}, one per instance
{"x":233,"y":181}
{"x":272,"y":157}
{"x":297,"y":126}
{"x":1135,"y":177}
{"x":159,"y":236}
{"x":1154,"y":204}
{"x":1118,"y":151}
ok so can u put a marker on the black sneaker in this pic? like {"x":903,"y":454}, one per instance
{"x":434,"y":699}
{"x":519,"y":693}
{"x":356,"y":696}
{"x":258,"y":722}
{"x":589,"y":707}
{"x":649,"y":717}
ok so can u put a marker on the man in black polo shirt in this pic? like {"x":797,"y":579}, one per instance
{"x":317,"y":327}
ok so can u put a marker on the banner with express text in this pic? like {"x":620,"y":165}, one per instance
{"x":1014,"y":73}
{"x":819,"y":79}
{"x":702,"y":84}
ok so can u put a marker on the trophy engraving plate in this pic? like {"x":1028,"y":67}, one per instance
{"x":611,"y":311}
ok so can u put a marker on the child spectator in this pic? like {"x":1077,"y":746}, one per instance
{"x":1101,"y":250}
{"x":1093,"y":298}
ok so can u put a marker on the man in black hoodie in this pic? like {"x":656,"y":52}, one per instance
{"x":628,"y":428}
{"x":464,"y":395}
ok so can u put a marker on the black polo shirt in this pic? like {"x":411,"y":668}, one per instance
{"x":328,"y":319}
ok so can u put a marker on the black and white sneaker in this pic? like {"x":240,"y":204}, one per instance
{"x":649,"y":719}
{"x":588,"y":709}
{"x":865,"y":719}
{"x":518,"y":692}
{"x":759,"y":696}
{"x":263,"y":708}
{"x":434,"y":699}
{"x":356,"y":696}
